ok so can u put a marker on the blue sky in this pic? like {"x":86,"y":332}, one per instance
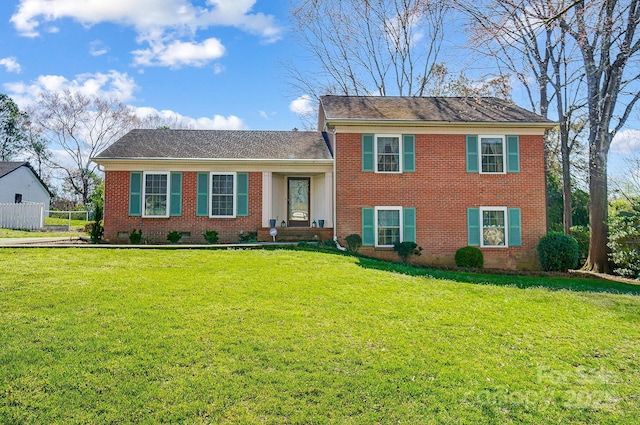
{"x":214,"y":64}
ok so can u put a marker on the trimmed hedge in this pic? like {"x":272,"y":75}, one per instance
{"x":469,"y":256}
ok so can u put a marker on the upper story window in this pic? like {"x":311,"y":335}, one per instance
{"x":223,"y":195}
{"x":156,"y":194}
{"x":492,"y":154}
{"x":388,"y":150}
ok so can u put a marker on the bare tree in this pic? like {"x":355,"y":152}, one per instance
{"x":81,"y":126}
{"x":378,"y":47}
{"x":520,"y":37}
{"x":605,"y":32}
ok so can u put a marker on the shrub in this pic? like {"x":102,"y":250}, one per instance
{"x":211,"y":236}
{"x":624,"y":242}
{"x":249,"y":237}
{"x":97,"y":228}
{"x":303,"y":244}
{"x":469,"y":256}
{"x":581,"y":235}
{"x":329,"y":243}
{"x":174,"y":236}
{"x":407,"y":249}
{"x":135,"y":237}
{"x":354,"y":242}
{"x":558,"y":252}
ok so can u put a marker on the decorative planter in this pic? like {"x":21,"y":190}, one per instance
{"x":272,"y":223}
{"x":321,"y":224}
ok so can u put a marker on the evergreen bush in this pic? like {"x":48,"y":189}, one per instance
{"x":558,"y":252}
{"x":174,"y":236}
{"x":135,"y":237}
{"x":211,"y":236}
{"x":407,"y":249}
{"x":354,"y":242}
{"x":624,"y":242}
{"x":469,"y":256}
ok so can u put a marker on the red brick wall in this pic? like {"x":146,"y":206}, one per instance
{"x":117,"y":219}
{"x":441,"y":191}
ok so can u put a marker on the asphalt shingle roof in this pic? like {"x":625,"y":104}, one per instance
{"x":222,"y":144}
{"x":8,"y":166}
{"x":428,"y":109}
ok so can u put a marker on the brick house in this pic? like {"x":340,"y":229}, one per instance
{"x":443,"y":172}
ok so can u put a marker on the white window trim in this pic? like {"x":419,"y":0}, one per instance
{"x":506,"y":227}
{"x":504,"y":153}
{"x":144,"y":193}
{"x":375,"y":153}
{"x":375,"y":226}
{"x":235,"y":193}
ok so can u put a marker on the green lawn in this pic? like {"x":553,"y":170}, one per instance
{"x":295,"y":337}
{"x":9,"y":233}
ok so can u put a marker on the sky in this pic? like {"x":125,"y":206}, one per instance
{"x":213,"y":64}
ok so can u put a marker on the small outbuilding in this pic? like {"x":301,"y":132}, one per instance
{"x":19,"y":183}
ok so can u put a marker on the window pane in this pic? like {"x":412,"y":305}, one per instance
{"x":155,"y":194}
{"x":493,"y":228}
{"x":389,"y":218}
{"x":388,"y":154}
{"x":492,"y":150}
{"x":388,"y":227}
{"x":222,"y":194}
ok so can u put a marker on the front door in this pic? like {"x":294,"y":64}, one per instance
{"x":298,"y":201}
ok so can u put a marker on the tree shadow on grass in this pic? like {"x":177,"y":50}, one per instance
{"x":504,"y":278}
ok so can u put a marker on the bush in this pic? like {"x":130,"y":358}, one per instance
{"x":407,"y":249}
{"x":211,"y":236}
{"x":469,"y":256}
{"x":135,"y":237}
{"x":174,"y":236}
{"x":329,"y":243}
{"x":581,"y":235}
{"x":558,"y":252}
{"x":624,"y":242}
{"x":249,"y":237}
{"x":354,"y":242}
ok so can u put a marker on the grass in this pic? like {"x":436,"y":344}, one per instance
{"x":275,"y":337}
{"x":9,"y":233}
{"x":75,"y":224}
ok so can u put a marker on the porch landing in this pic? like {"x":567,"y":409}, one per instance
{"x":296,"y":234}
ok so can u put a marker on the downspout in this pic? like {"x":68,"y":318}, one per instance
{"x":335,"y":197}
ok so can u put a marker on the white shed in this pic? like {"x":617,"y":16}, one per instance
{"x":20,"y":183}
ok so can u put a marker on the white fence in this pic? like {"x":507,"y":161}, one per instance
{"x":24,"y":216}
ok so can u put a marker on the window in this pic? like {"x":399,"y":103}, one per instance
{"x":18,"y":198}
{"x":494,"y":226}
{"x":492,"y":154}
{"x":388,"y":222}
{"x":222,"y":195}
{"x":388,"y":150}
{"x":156,"y":194}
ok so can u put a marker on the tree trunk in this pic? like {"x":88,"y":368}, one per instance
{"x":598,"y":259}
{"x":567,"y":210}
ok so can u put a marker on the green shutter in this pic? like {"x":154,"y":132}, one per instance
{"x":409,"y":225}
{"x":513,"y":154}
{"x":368,"y":162}
{"x":135,"y":193}
{"x":368,"y":227}
{"x":202,"y":197}
{"x":175,"y":201}
{"x":408,"y":153}
{"x":242,"y":194}
{"x":515,"y":228}
{"x":473,"y":226}
{"x":472,"y":154}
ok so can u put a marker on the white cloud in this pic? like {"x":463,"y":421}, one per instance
{"x":178,"y":53}
{"x":97,"y":48}
{"x":112,"y":84}
{"x":176,"y":120}
{"x":302,"y":105}
{"x":218,"y":69}
{"x":11,"y":64}
{"x":626,"y":142}
{"x":160,"y":23}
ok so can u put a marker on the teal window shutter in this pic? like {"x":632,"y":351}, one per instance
{"x":368,"y":162}
{"x":472,"y":154}
{"x":408,"y":153}
{"x":515,"y":227}
{"x":242,"y":194}
{"x":409,"y":225}
{"x":473,"y":226}
{"x":175,"y":201}
{"x":202,"y":196}
{"x":368,"y":228}
{"x":135,"y":193}
{"x":513,"y":154}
